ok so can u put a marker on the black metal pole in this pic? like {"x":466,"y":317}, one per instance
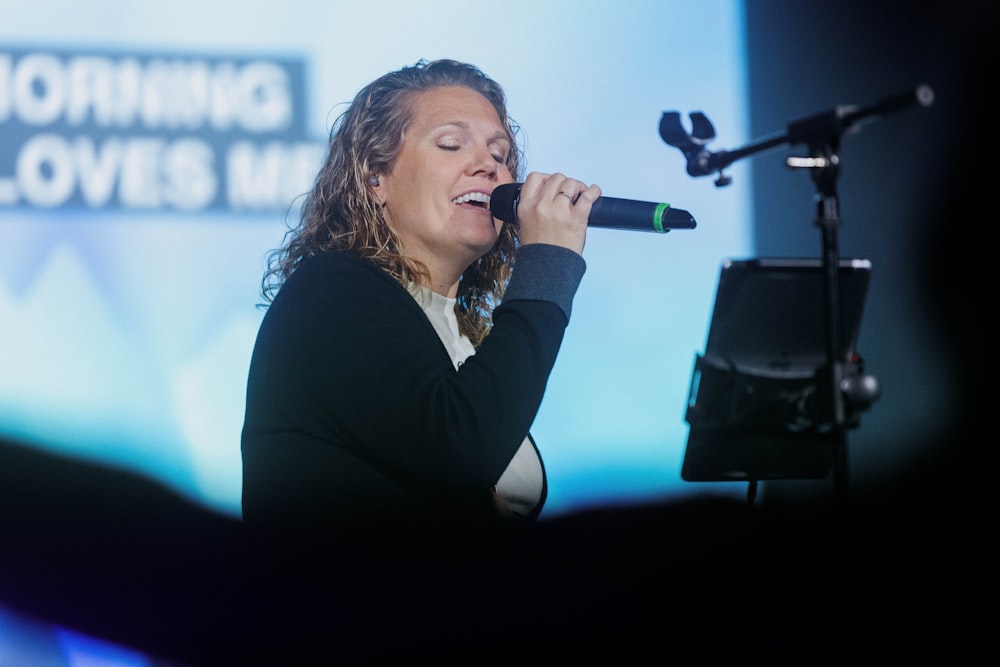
{"x":828,"y":219}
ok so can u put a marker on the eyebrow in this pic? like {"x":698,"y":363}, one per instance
{"x":500,"y":135}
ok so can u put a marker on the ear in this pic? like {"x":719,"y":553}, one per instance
{"x":376,"y":187}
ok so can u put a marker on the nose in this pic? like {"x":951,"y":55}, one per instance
{"x":483,"y":162}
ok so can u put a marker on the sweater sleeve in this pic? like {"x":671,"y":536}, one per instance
{"x":547,"y":273}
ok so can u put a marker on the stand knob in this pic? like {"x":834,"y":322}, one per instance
{"x":861,"y":391}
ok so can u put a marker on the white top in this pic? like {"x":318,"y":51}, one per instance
{"x":520,"y":485}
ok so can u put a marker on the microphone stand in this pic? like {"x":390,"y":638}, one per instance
{"x":821,"y":134}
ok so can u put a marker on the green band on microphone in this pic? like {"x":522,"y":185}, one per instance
{"x":658,"y":217}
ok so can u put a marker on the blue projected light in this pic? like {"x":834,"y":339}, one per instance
{"x":148,"y":164}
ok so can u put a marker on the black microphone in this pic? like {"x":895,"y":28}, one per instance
{"x":606,"y":212}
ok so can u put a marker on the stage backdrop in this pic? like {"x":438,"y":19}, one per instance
{"x":151,"y":154}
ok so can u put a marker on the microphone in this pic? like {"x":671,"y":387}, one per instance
{"x":606,"y":212}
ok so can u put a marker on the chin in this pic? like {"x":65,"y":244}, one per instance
{"x":478,"y":250}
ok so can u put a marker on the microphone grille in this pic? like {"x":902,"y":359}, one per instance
{"x":503,"y":202}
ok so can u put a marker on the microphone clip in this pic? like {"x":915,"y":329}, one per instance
{"x":700,"y":162}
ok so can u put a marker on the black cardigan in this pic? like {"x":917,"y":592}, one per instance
{"x":354,"y":411}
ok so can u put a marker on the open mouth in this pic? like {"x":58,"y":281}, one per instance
{"x":478,"y":199}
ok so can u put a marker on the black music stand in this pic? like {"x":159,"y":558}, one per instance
{"x":839,"y":385}
{"x":758,"y":402}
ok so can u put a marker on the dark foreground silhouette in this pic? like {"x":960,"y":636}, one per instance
{"x":698,"y":580}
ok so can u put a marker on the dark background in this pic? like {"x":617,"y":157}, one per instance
{"x":793,"y":579}
{"x":914,"y":192}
